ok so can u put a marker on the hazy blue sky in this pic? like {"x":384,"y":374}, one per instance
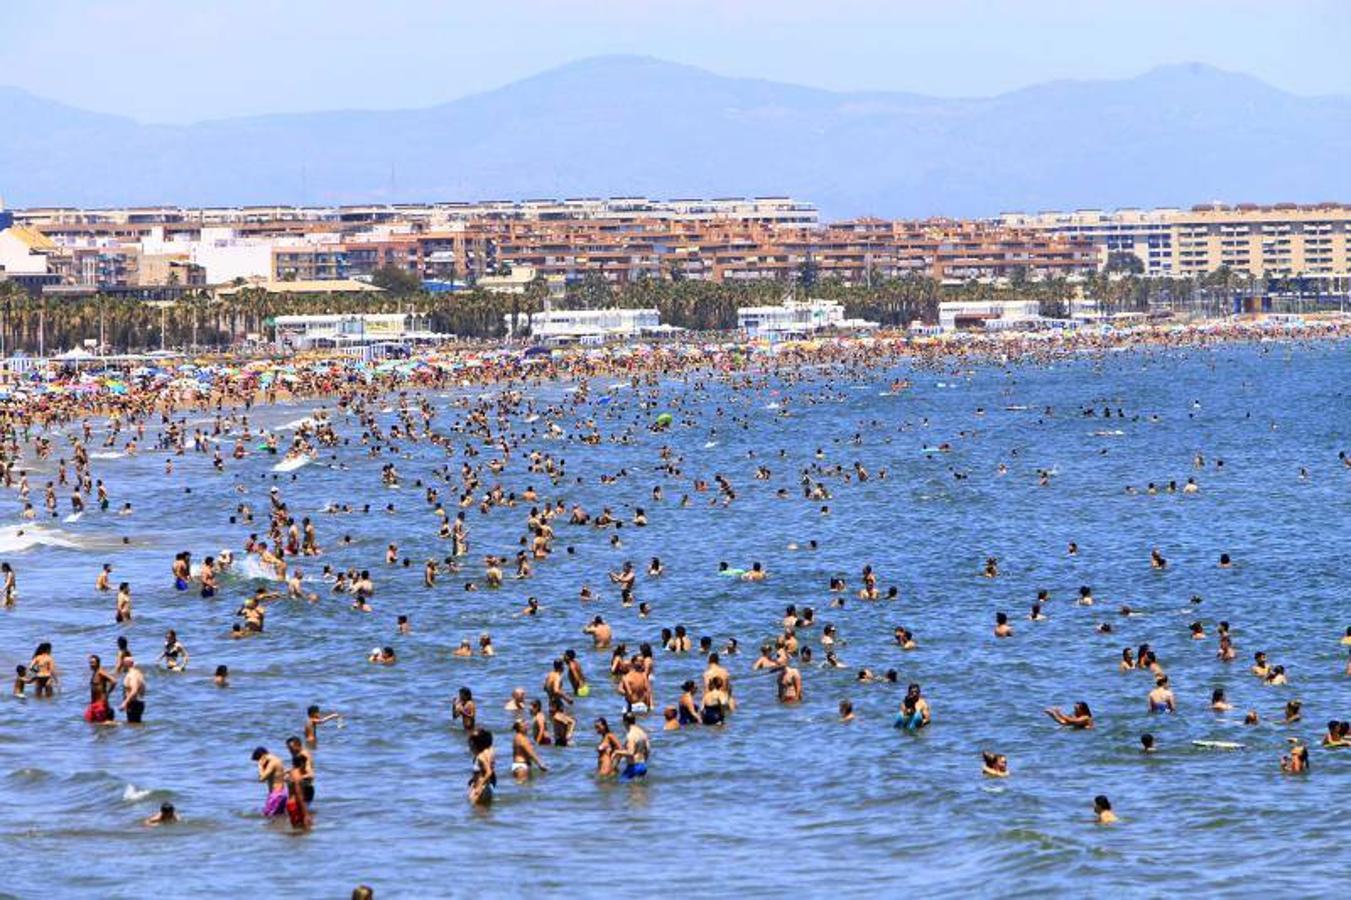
{"x":180,"y":60}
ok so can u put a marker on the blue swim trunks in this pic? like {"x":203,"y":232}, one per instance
{"x":633,"y":771}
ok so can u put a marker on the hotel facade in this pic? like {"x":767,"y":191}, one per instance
{"x":1284,"y":240}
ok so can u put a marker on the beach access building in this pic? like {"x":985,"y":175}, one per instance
{"x":560,"y":326}
{"x":336,"y":330}
{"x":989,"y":315}
{"x":796,"y":318}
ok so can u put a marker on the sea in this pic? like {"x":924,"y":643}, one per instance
{"x":783,"y":800}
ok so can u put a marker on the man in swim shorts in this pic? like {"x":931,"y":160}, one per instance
{"x":273,"y":775}
{"x":133,"y":693}
{"x":636,"y":749}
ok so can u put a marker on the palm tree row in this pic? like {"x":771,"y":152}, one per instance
{"x":119,"y":324}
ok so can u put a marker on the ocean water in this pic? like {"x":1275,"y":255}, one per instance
{"x":782,"y":800}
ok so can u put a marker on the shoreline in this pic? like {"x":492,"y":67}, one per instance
{"x":208,"y":382}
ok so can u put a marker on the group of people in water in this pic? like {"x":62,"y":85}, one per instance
{"x":497,"y":439}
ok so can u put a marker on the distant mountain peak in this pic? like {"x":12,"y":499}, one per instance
{"x":1177,"y":74}
{"x":623,"y":124}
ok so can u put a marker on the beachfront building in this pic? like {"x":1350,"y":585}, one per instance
{"x":621,"y":240}
{"x":560,"y":326}
{"x":796,"y":318}
{"x":26,"y":258}
{"x":988,"y":315}
{"x":1285,"y":240}
{"x":329,"y":330}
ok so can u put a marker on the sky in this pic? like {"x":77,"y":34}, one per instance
{"x":189,"y":60}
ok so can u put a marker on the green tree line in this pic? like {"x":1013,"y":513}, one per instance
{"x":200,"y":321}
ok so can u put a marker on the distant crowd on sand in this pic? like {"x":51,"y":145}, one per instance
{"x":66,"y":394}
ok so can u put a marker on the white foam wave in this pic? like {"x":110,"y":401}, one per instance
{"x":133,"y":794}
{"x":17,"y":538}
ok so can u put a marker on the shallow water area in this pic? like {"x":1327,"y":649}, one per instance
{"x":853,"y":809}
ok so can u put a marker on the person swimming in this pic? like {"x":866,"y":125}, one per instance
{"x":914,"y":713}
{"x":1080,"y":718}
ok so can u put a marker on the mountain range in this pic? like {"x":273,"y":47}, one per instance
{"x":623,"y":125}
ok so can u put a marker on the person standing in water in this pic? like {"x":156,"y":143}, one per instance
{"x":637,"y":748}
{"x":914,"y":713}
{"x":484,"y":777}
{"x":523,"y":754}
{"x":273,"y":776}
{"x":101,"y":685}
{"x":133,"y":693}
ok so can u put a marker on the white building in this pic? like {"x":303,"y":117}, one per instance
{"x":591,"y":325}
{"x":796,"y":318}
{"x":345,"y":330}
{"x":992,"y":315}
{"x":23,"y":251}
{"x":226,"y":256}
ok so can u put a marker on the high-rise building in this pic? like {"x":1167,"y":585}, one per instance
{"x":1285,"y":240}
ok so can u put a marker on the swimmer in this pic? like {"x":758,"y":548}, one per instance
{"x":133,"y":693}
{"x":484,"y":777}
{"x":167,"y":815}
{"x":601,"y":633}
{"x":272,"y":775}
{"x":1338,"y":735}
{"x":523,"y":753}
{"x":1297,"y":761}
{"x":789,"y":684}
{"x":994,"y":765}
{"x":1102,"y":810}
{"x":608,"y":750}
{"x":636,"y":750}
{"x":313,"y":719}
{"x":1081,"y":718}
{"x":1161,"y":698}
{"x":464,"y":709}
{"x":914,"y":713}
{"x":174,"y":655}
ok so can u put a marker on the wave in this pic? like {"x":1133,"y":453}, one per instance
{"x":18,"y":538}
{"x":252,"y":567}
{"x":292,"y":463}
{"x":132,"y":794}
{"x":29,"y":775}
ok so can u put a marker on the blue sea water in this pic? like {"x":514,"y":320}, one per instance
{"x":782,"y":799}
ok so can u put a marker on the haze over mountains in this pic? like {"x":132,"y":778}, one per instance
{"x":611,"y":126}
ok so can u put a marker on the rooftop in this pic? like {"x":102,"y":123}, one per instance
{"x":336,"y":286}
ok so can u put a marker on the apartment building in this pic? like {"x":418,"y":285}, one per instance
{"x":621,"y":240}
{"x":297,"y":261}
{"x":1280,"y":241}
{"x":130,"y":220}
